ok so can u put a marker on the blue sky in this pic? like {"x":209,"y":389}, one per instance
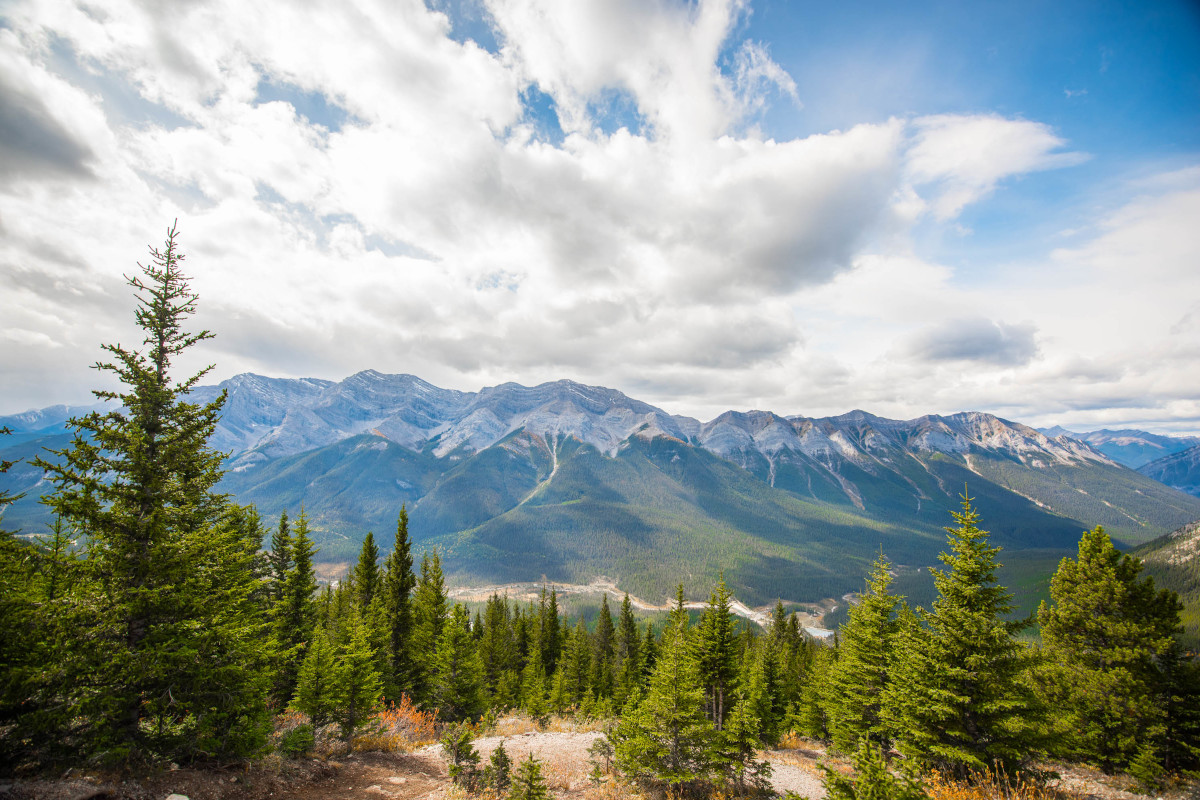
{"x":804,"y":207}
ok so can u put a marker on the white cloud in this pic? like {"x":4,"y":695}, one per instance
{"x":962,"y":158}
{"x":692,"y":258}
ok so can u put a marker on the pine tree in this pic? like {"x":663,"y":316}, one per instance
{"x":649,"y":654}
{"x":550,"y":637}
{"x":357,"y":688}
{"x":959,"y":702}
{"x":497,"y":649}
{"x":872,"y":780}
{"x":864,"y":665}
{"x":497,"y":775}
{"x":628,"y":653}
{"x":734,"y":748}
{"x":528,"y":783}
{"x":315,"y":693}
{"x":716,"y":652}
{"x":813,"y":711}
{"x":1104,"y":637}
{"x":679,"y":610}
{"x":366,"y":572}
{"x":457,"y":679}
{"x":398,"y":585}
{"x":763,"y":692}
{"x":167,"y":635}
{"x":604,"y":651}
{"x":533,"y":690}
{"x":295,"y":616}
{"x":280,"y":557}
{"x":665,"y":737}
{"x":578,"y":663}
{"x":458,"y":745}
{"x":429,"y":617}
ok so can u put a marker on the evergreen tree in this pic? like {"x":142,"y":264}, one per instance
{"x":679,"y":610}
{"x":649,"y":654}
{"x":716,"y":652}
{"x":864,"y":663}
{"x":280,"y":557}
{"x":578,"y":663}
{"x":628,"y":653}
{"x":429,"y":617}
{"x":295,"y":616}
{"x":315,"y":692}
{"x":872,"y":780}
{"x":497,"y":775}
{"x":1105,"y":636}
{"x":398,"y":585}
{"x":604,"y":651}
{"x":550,"y":636}
{"x":763,"y":692}
{"x":166,"y":637}
{"x":457,"y":744}
{"x":958,"y":699}
{"x":357,"y":688}
{"x":665,"y":737}
{"x":813,"y":711}
{"x":533,"y":689}
{"x":528,"y":783}
{"x":497,"y":650}
{"x":734,"y":748}
{"x":366,"y":572}
{"x":458,"y":672}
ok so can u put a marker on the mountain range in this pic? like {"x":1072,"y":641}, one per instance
{"x":567,"y":482}
{"x":1132,"y":448}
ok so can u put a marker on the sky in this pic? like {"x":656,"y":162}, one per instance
{"x":802,"y":207}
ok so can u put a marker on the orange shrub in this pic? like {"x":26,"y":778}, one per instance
{"x":399,"y":727}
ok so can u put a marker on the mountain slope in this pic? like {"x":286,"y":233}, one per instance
{"x":1174,"y":563}
{"x":1130,"y":448}
{"x":1180,"y":470}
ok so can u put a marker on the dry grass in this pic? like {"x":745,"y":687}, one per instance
{"x":993,"y":787}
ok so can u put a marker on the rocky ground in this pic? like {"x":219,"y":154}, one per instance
{"x":422,"y":774}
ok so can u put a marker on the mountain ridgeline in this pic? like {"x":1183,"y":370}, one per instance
{"x":566,"y":482}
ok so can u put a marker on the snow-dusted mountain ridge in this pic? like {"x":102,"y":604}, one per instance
{"x":266,"y":418}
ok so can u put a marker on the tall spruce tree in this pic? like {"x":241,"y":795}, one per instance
{"x":398,"y":585}
{"x":958,"y":700}
{"x":281,"y":556}
{"x":863,"y":670}
{"x":366,"y":572}
{"x":628,"y":653}
{"x":356,"y":687}
{"x":550,"y":637}
{"x":716,"y":653}
{"x":497,"y":650}
{"x":429,"y":617}
{"x":295,"y":615}
{"x":665,"y":736}
{"x":1105,"y":636}
{"x":457,"y":679}
{"x":166,"y":637}
{"x":315,"y":688}
{"x":604,"y":652}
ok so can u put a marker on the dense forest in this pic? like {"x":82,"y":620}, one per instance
{"x":152,"y":626}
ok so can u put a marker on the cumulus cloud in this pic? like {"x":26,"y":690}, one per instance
{"x":358,"y":188}
{"x":982,"y":340}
